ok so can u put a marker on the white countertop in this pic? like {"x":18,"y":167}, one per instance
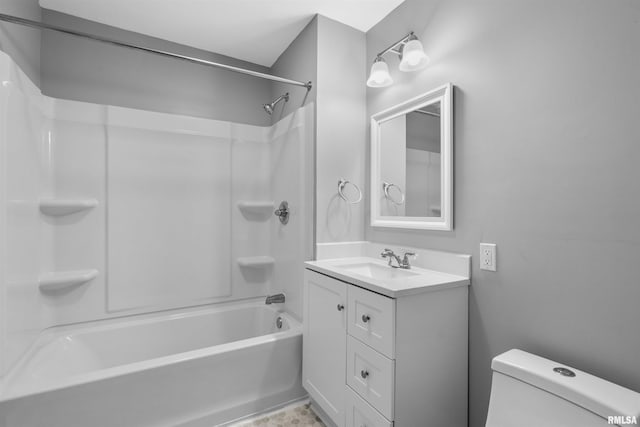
{"x":424,"y":281}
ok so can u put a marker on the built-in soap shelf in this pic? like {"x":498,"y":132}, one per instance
{"x":259,"y":210}
{"x":57,"y":281}
{"x":256,"y":261}
{"x":61,"y":207}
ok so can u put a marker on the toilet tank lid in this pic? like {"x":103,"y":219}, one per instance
{"x":592,"y":393}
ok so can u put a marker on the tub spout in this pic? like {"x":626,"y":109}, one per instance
{"x":277,"y":298}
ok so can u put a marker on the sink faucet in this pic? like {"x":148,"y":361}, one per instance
{"x":277,"y":298}
{"x":402,"y":263}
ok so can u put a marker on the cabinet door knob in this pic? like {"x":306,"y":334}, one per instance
{"x":365,"y":318}
{"x":340,"y":307}
{"x":364,"y":374}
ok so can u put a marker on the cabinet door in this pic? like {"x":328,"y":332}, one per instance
{"x":324,"y":343}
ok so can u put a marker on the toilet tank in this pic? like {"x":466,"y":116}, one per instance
{"x":526,"y":391}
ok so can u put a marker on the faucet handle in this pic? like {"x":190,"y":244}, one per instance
{"x":405,"y":259}
{"x":388,"y":253}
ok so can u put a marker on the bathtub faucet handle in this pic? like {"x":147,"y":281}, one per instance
{"x":277,"y":298}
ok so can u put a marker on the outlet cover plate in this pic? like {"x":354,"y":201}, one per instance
{"x":488,"y":260}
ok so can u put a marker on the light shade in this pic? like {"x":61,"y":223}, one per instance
{"x":379,"y":75}
{"x":413,"y":56}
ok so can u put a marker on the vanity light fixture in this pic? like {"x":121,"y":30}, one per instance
{"x":412,"y":58}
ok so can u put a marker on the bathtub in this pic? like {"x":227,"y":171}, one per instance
{"x":196,"y":367}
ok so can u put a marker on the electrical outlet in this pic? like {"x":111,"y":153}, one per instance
{"x":488,"y":256}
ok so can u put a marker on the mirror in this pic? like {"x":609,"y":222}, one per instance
{"x":412,"y":163}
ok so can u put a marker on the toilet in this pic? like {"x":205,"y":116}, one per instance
{"x":530,"y":391}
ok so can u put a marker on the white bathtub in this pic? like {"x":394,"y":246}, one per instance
{"x":198,"y":367}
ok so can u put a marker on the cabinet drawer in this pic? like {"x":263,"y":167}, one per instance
{"x":371,"y":375}
{"x":361,"y":414}
{"x":372,"y":319}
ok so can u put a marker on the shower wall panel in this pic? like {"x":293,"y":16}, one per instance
{"x":75,"y":151}
{"x":291,"y":179}
{"x":169,"y":225}
{"x":251,"y":153}
{"x":21,"y":248}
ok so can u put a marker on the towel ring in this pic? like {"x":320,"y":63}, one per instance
{"x":343,"y":183}
{"x":385,"y":187}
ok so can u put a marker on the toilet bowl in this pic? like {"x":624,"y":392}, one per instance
{"x":530,"y":391}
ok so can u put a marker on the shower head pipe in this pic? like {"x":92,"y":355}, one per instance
{"x":271,"y":106}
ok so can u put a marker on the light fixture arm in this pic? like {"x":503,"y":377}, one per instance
{"x":397,"y":46}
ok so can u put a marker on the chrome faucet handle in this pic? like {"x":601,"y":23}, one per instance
{"x":405,"y":259}
{"x":388,"y":253}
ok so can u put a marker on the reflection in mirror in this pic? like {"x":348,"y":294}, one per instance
{"x":410,"y":164}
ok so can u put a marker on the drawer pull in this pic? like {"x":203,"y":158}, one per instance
{"x":365,"y":318}
{"x":364,"y":374}
{"x":340,"y":307}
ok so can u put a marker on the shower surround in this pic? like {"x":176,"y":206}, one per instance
{"x":110,"y":212}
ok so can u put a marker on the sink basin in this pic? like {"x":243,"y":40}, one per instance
{"x":377,"y":271}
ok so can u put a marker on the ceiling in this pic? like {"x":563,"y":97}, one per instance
{"x":257,"y":31}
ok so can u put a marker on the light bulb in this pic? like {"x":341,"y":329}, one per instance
{"x":413,"y":56}
{"x":413,"y":59}
{"x":379,"y":75}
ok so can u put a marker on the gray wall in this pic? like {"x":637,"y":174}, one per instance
{"x":22,"y":44}
{"x":423,"y":132}
{"x":298,"y":62}
{"x":341,"y":129}
{"x":547,"y":145}
{"x":333,"y":56}
{"x":84,"y":70}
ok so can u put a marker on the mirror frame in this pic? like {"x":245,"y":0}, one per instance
{"x":444,"y":94}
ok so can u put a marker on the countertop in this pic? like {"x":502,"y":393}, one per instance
{"x":425,"y":281}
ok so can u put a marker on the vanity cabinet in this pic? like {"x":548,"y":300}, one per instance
{"x":370,"y":360}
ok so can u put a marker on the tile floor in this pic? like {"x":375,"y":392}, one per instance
{"x":299,"y":415}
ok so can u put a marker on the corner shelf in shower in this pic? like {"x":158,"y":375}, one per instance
{"x":61,"y":207}
{"x":256,"y":210}
{"x":57,"y":281}
{"x":256,"y":261}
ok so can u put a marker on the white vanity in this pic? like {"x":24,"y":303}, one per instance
{"x":387,"y":346}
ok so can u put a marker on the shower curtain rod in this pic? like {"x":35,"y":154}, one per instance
{"x":43,"y":26}
{"x":428,"y":113}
